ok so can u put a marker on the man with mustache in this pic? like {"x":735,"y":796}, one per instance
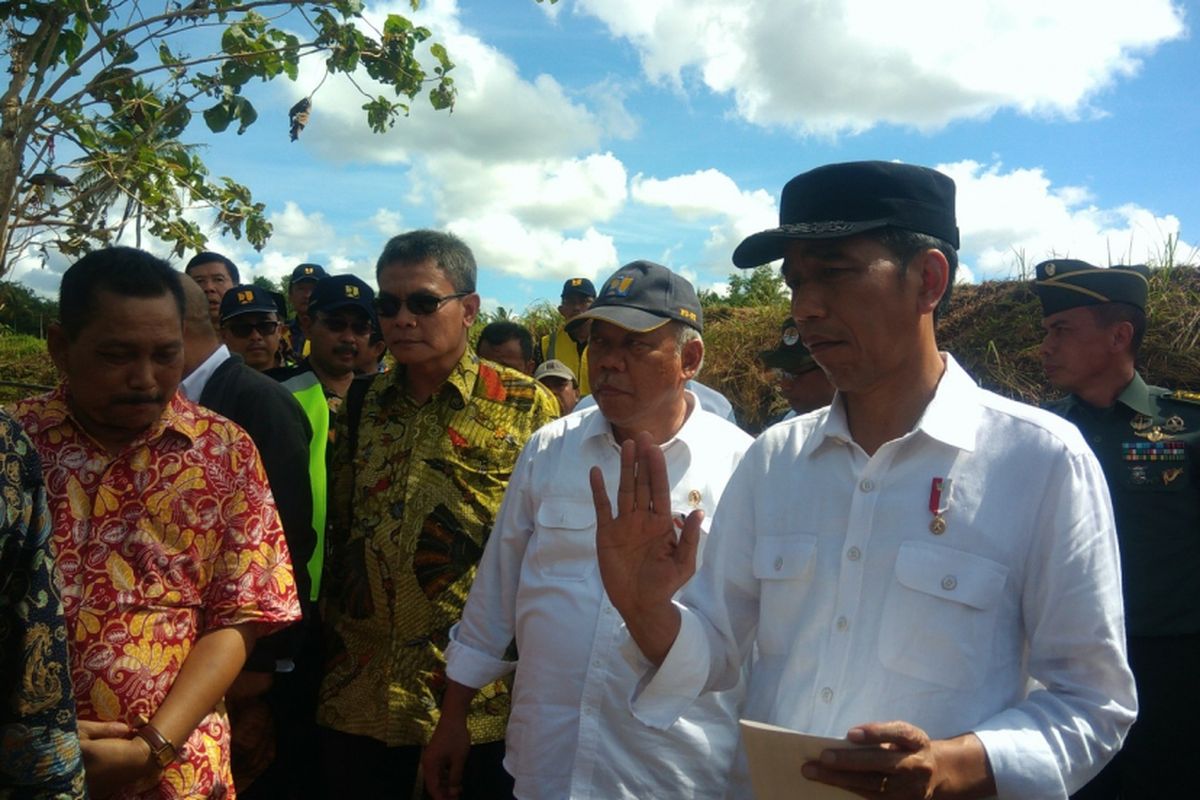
{"x":250,"y":325}
{"x":171,"y":558}
{"x":1148,"y":441}
{"x":924,"y":568}
{"x":571,"y":734}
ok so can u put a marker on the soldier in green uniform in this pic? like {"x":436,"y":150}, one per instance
{"x":1147,"y":440}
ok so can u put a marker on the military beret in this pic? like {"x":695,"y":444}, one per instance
{"x":1065,"y":283}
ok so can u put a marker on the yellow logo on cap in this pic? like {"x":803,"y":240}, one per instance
{"x":576,"y":281}
{"x":687,"y":314}
{"x":245,"y":297}
{"x":308,"y":270}
{"x":620,"y":286}
{"x":351,"y":290}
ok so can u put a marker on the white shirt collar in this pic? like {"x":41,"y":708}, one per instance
{"x":952,"y":416}
{"x":596,"y":424}
{"x":193,"y":385}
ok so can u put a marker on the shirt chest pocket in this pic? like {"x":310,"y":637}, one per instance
{"x":784,"y":567}
{"x":564,"y":539}
{"x":940,"y":618}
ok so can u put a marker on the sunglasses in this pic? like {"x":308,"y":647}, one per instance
{"x":422,"y":304}
{"x":360,"y":327}
{"x":242,"y":330}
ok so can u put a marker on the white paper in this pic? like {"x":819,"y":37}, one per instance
{"x":775,"y":756}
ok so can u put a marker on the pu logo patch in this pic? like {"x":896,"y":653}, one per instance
{"x":619,"y":287}
{"x":244,"y":297}
{"x":351,"y":290}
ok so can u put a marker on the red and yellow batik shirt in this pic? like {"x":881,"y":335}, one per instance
{"x":175,"y":536}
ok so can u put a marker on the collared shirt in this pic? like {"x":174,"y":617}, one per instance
{"x":39,"y":749}
{"x":1148,"y":443}
{"x":829,"y":562}
{"x":175,"y":536}
{"x":193,"y":385}
{"x":409,"y":513}
{"x":710,"y":400}
{"x":571,"y":733}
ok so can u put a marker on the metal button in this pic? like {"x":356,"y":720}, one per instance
{"x":842,"y":623}
{"x":949,"y":582}
{"x":778,"y":563}
{"x":827,"y":694}
{"x":854,"y":554}
{"x":867,"y":485}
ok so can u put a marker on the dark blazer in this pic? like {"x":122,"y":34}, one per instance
{"x":281,"y":432}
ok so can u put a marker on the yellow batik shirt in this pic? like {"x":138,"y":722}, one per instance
{"x":409,"y":513}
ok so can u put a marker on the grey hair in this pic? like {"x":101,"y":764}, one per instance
{"x":453,"y":257}
{"x":685,"y":334}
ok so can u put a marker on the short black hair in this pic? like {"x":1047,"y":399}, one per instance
{"x":123,"y":271}
{"x":501,"y":331}
{"x":905,"y":244}
{"x":452,"y":255}
{"x":207,"y":257}
{"x":1109,"y":314}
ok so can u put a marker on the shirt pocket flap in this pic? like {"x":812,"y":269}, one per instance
{"x":563,"y":512}
{"x":950,"y":574}
{"x":782,"y":557}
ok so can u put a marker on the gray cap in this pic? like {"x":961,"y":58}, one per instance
{"x":553,"y":368}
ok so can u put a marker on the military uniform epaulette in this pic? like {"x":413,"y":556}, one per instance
{"x":1184,"y":397}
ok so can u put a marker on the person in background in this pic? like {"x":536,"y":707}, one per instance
{"x":568,"y":343}
{"x":558,"y":378}
{"x":300,"y":287}
{"x":39,"y":755}
{"x":171,"y":557}
{"x":571,"y":733}
{"x":924,"y":568}
{"x":803,"y":384}
{"x":216,"y":275}
{"x":419,"y":462}
{"x":250,"y":326}
{"x":1147,"y":439}
{"x":266,"y":709}
{"x":507,"y":343}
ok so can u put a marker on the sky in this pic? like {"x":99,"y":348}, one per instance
{"x":590,"y":133}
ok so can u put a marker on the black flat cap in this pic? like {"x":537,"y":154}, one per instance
{"x":839,"y":200}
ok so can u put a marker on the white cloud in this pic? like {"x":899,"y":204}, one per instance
{"x":503,"y":242}
{"x":1007,"y":216}
{"x":848,"y":65}
{"x":387,"y":221}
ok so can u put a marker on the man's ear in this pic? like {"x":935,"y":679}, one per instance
{"x":58,"y":344}
{"x":933,"y":270}
{"x":690,"y":358}
{"x":470,"y":309}
{"x":1122,"y":336}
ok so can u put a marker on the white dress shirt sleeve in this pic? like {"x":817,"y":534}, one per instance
{"x":1062,"y":733}
{"x":478,"y":643}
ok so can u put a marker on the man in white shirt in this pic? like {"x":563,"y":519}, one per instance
{"x":571,"y":733}
{"x":924,"y":568}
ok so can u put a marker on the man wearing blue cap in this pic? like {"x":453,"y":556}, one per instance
{"x":568,"y":343}
{"x":571,"y":734}
{"x":250,"y":325}
{"x":1147,"y":439}
{"x":300,"y":287}
{"x":904,"y":565}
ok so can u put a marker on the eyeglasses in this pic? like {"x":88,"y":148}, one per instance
{"x":242,"y":330}
{"x":422,"y":304}
{"x":361,"y":327}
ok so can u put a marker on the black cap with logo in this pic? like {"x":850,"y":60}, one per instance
{"x":579,"y":286}
{"x":340,"y":291}
{"x":840,"y":200}
{"x":308,"y":272}
{"x":790,"y":353}
{"x":247,"y":299}
{"x":642,"y":296}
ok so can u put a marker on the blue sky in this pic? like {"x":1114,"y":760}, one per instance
{"x":595,"y":132}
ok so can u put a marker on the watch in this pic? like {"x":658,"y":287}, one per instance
{"x":161,"y":749}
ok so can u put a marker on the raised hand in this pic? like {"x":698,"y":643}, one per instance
{"x":642,"y":563}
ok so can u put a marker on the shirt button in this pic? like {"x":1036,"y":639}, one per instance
{"x":827,"y":695}
{"x":779,"y":563}
{"x":842,"y":623}
{"x":867,"y":485}
{"x":854,"y":554}
{"x":949,"y":583}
